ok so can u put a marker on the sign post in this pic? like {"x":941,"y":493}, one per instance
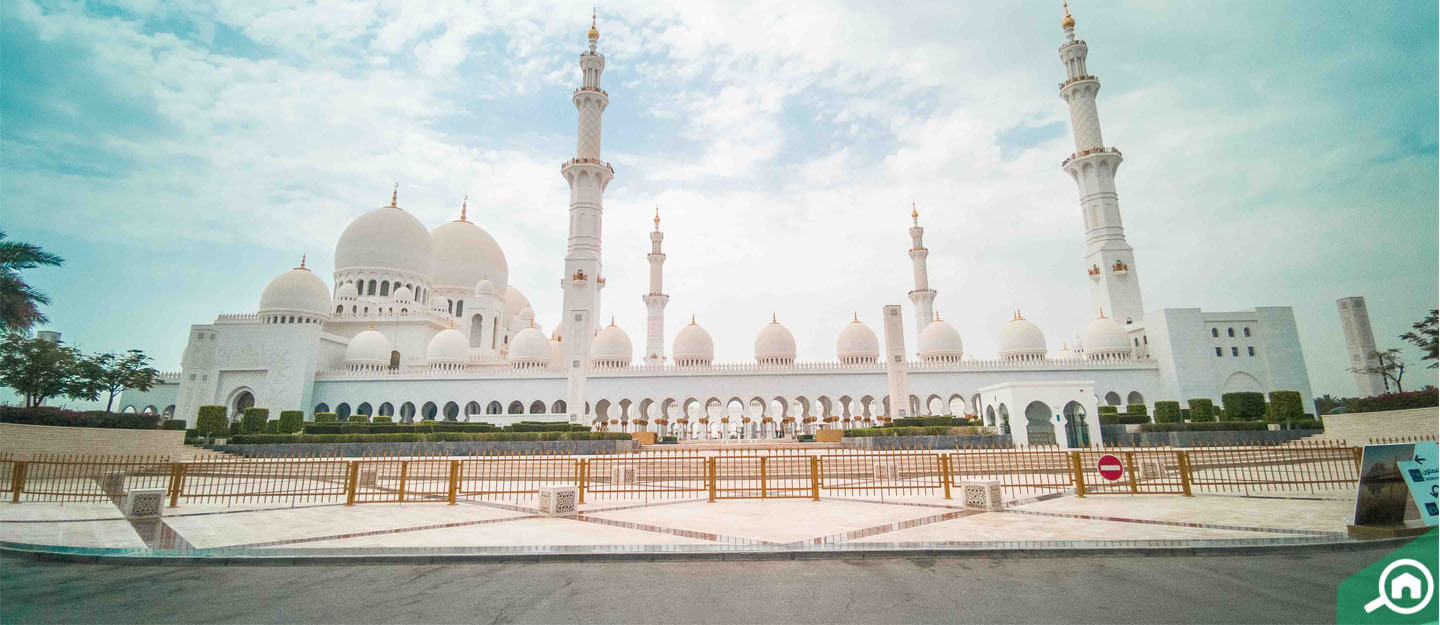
{"x":1110,"y":467}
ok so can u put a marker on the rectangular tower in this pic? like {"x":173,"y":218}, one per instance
{"x":1360,"y":343}
{"x":896,"y":368}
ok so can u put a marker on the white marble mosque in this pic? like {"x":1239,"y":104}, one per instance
{"x":418,"y":323}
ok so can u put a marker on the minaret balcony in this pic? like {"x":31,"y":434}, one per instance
{"x":1094,"y":272}
{"x":1076,"y":79}
{"x":587,"y":161}
{"x":922,"y":291}
{"x":1090,"y":152}
{"x":592,"y":89}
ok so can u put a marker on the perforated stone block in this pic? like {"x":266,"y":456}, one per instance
{"x":558,"y":500}
{"x":145,"y":502}
{"x":623,"y":474}
{"x":886,"y":471}
{"x":366,"y":478}
{"x":113,"y":484}
{"x":982,"y":495}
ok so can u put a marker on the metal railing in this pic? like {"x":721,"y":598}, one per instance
{"x":690,"y":474}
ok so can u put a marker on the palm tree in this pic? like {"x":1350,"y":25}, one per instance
{"x":19,"y":302}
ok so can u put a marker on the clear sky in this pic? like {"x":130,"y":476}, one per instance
{"x":180,"y":154}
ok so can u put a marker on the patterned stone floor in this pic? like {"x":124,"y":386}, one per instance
{"x":686,"y":524}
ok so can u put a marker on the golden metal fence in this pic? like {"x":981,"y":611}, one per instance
{"x":681,"y":474}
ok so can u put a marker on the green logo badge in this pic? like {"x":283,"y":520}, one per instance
{"x":1400,"y":588}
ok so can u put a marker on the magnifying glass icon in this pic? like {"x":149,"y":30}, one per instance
{"x":1384,"y":599}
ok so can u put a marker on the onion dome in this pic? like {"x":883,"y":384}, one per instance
{"x":693,"y":346}
{"x":449,"y":347}
{"x":402,"y":294}
{"x":857,"y":343}
{"x":385,"y":238}
{"x":296,"y":291}
{"x":594,"y":32}
{"x":368,"y":349}
{"x":775,"y":345}
{"x":515,"y":302}
{"x":465,"y":254}
{"x":611,"y":347}
{"x":1021,"y":340}
{"x":939,"y":342}
{"x":484,"y":288}
{"x":1104,"y":338}
{"x":529,"y":349}
{"x":439,"y":303}
{"x":1068,"y":22}
{"x":557,"y":353}
{"x":347,"y":291}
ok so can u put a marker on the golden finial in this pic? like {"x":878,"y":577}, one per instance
{"x":854,"y":317}
{"x":452,"y":323}
{"x":914,"y":212}
{"x":1102,"y":313}
{"x":464,"y":206}
{"x":1068,"y":22}
{"x":594,"y":32}
{"x":692,"y":319}
{"x":302,"y":262}
{"x":394,"y":195}
{"x":532,"y":323}
{"x":937,"y":315}
{"x":372,"y":325}
{"x":772,"y":317}
{"x":657,"y":214}
{"x":612,"y":321}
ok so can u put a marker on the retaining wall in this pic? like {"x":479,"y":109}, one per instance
{"x":924,"y":442}
{"x":449,"y":448}
{"x":24,"y":441}
{"x":1360,"y":427}
{"x":1202,"y":439}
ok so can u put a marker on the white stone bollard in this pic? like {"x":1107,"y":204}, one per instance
{"x":366,"y":478}
{"x":558,"y":500}
{"x":113,"y":484}
{"x":982,"y":495}
{"x":886,"y":471}
{"x":623,"y":474}
{"x":145,"y":502}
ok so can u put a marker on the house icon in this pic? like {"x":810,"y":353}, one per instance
{"x":1411,"y":586}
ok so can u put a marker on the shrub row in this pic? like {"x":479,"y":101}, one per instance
{"x":172,"y":424}
{"x":1395,"y":401}
{"x":929,"y":430}
{"x":1122,"y":419}
{"x":48,"y":415}
{"x":1243,"y":406}
{"x":1202,"y":410}
{"x":929,"y":421}
{"x":414,"y":437}
{"x":1168,"y":412}
{"x":1205,"y":427}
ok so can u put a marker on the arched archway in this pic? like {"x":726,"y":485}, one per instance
{"x":558,"y":407}
{"x":452,"y":411}
{"x":1038,"y":430}
{"x":1134,"y":398}
{"x":169,"y":412}
{"x":342,"y":410}
{"x":1241,"y":382}
{"x":472,"y":407}
{"x":407,"y":412}
{"x":1112,"y":399}
{"x":537,"y":407}
{"x":494,"y":407}
{"x":515,"y":408}
{"x":364,"y":408}
{"x":239,"y":401}
{"x":322,"y":407}
{"x":1002,"y":416}
{"x":990,"y":416}
{"x":1076,"y":432}
{"x":387,"y":409}
{"x":428,"y":411}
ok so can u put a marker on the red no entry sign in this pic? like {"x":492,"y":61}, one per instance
{"x":1110,"y":467}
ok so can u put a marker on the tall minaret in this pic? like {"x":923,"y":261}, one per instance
{"x":656,"y":299}
{"x":923,"y":296}
{"x":1109,"y":260}
{"x":588,"y":177}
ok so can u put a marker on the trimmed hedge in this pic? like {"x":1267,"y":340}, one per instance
{"x":212,"y":421}
{"x":236,"y":429}
{"x":326,"y":417}
{"x":291,"y":421}
{"x":1202,"y":410}
{"x":1104,"y":410}
{"x":279,"y":439}
{"x":272,"y":427}
{"x":1395,"y":401}
{"x":1286,"y":406}
{"x":1132,"y":419}
{"x":929,"y":421}
{"x":254,"y":420}
{"x":358,"y":418}
{"x":1135,"y":409}
{"x":383,"y":420}
{"x":1205,"y":427}
{"x":929,"y":430}
{"x":1308,"y":422}
{"x":49,"y":415}
{"x":1243,"y":406}
{"x":172,"y":424}
{"x":1168,"y":412}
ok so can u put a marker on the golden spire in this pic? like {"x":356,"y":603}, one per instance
{"x":657,"y":215}
{"x":1068,"y":22}
{"x":594,"y":32}
{"x":394,"y":195}
{"x":914,"y":213}
{"x":692,"y":319}
{"x":302,"y":262}
{"x":772,"y":317}
{"x":1102,"y":313}
{"x":464,"y":206}
{"x":372,"y":325}
{"x":612,"y":321}
{"x":854,"y":317}
{"x":937,"y":315}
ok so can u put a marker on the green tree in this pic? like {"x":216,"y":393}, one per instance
{"x":37,"y":368}
{"x":112,"y":374}
{"x":19,"y":302}
{"x":1387,"y":364}
{"x":1424,"y":337}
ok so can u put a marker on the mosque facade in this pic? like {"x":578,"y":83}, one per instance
{"x":417,"y":323}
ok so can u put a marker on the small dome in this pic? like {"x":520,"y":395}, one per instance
{"x":385,"y":238}
{"x":515,"y":302}
{"x":1105,"y":338}
{"x":347,"y":291}
{"x":940,"y":342}
{"x":465,"y":254}
{"x":439,"y":303}
{"x":296,"y":291}
{"x":557,"y":354}
{"x":857,"y":343}
{"x":611,"y":347}
{"x":529,"y":348}
{"x":774,"y":344}
{"x":1021,"y":340}
{"x":402,"y":294}
{"x":449,"y":347}
{"x":369,"y":348}
{"x":484,"y":288}
{"x":693,"y":346}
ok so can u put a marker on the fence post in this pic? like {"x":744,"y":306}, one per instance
{"x":1359,"y":453}
{"x":1183,"y":457}
{"x":177,"y":479}
{"x":404,"y":468}
{"x":1130,"y":468}
{"x":815,"y":478}
{"x":352,"y":476}
{"x":763,"y":483}
{"x":1079,"y":470}
{"x":454,"y":480}
{"x":582,"y":468}
{"x":710,"y":470}
{"x":17,"y":480}
{"x":946,"y":477}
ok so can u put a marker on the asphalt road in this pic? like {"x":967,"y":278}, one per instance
{"x":1212,"y":589}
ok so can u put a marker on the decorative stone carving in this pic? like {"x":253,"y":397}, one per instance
{"x":145,"y":502}
{"x":982,"y":496}
{"x":558,"y":500}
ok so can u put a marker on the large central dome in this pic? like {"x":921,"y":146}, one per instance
{"x":465,"y":254}
{"x":386,"y":238}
